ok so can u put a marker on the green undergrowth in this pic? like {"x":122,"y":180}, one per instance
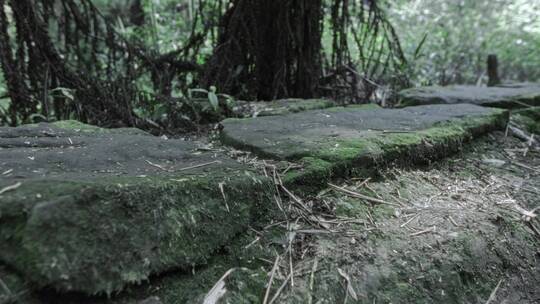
{"x":98,"y":236}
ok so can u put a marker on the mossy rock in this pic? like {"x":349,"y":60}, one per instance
{"x":504,"y":96}
{"x":93,"y":212}
{"x":280,"y":107}
{"x":341,"y":142}
{"x":77,"y":126}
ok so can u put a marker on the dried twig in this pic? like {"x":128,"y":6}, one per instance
{"x":312,"y":280}
{"x":280,"y":289}
{"x":494,"y":293}
{"x":525,"y":166}
{"x":200,"y":165}
{"x":271,"y":280}
{"x":350,"y":288}
{"x":410,"y":220}
{"x":5,"y":287}
{"x":452,"y":221}
{"x":157,"y":166}
{"x":361,"y":196}
{"x":10,"y":188}
{"x":432,"y":229}
{"x":363,"y":182}
{"x":218,"y":290}
{"x":221,"y":188}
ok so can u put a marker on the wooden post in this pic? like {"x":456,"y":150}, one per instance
{"x":492,"y":70}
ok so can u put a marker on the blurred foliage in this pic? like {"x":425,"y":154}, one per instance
{"x":459,"y":35}
{"x":4,"y":101}
{"x":167,"y":26}
{"x":440,"y":42}
{"x":125,"y":63}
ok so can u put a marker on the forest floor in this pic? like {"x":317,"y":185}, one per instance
{"x":459,"y":230}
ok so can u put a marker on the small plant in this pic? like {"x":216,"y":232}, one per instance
{"x":213,"y":99}
{"x":65,"y":93}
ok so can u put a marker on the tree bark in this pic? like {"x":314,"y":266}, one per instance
{"x":493,"y":71}
{"x":268,"y":49}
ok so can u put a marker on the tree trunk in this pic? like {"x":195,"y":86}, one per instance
{"x":268,"y":49}
{"x":493,"y":71}
{"x":136,"y":13}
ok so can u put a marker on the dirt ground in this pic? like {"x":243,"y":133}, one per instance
{"x":462,"y":230}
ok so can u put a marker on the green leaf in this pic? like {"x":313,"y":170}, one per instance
{"x":191,"y":91}
{"x":213,"y":99}
{"x":66,"y":92}
{"x":37,"y":115}
{"x":419,"y":47}
{"x":199,"y":90}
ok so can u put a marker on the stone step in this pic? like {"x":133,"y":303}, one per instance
{"x":279,"y":107}
{"x":504,"y":96}
{"x":341,"y":141}
{"x":91,"y":210}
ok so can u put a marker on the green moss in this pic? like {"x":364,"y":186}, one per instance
{"x":312,"y":176}
{"x":246,"y":283}
{"x":76,"y":125}
{"x":528,"y":118}
{"x":99,"y":236}
{"x":529,"y":124}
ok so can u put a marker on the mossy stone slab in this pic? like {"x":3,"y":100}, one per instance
{"x":345,"y":141}
{"x":504,"y":96}
{"x":279,"y":107}
{"x":91,"y":210}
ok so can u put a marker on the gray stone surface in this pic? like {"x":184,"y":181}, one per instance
{"x":504,"y":96}
{"x":47,"y":151}
{"x":302,"y":134}
{"x":279,"y":107}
